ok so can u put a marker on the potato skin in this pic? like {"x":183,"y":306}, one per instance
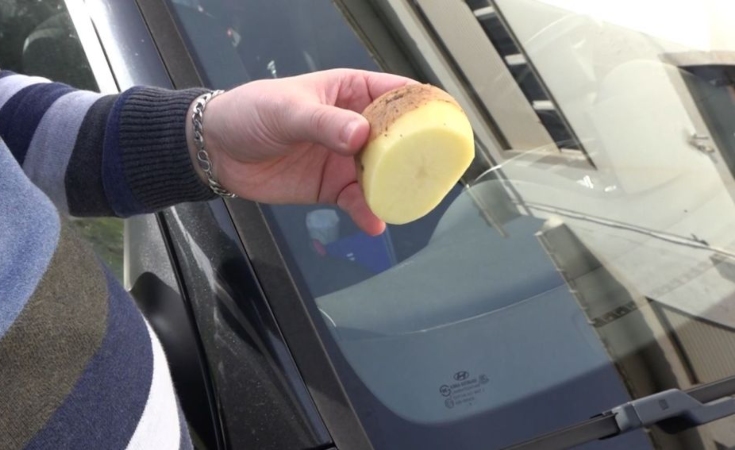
{"x":389,"y":107}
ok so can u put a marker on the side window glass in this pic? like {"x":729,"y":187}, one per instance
{"x":37,"y":37}
{"x":236,"y":41}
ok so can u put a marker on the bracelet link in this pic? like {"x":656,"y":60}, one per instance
{"x":205,"y":163}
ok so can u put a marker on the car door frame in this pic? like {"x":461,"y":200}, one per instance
{"x":149,"y":50}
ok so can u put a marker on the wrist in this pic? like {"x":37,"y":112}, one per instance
{"x":201,"y":142}
{"x":192,"y":145}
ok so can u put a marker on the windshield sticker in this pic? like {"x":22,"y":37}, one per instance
{"x":614,"y":315}
{"x":463,"y":389}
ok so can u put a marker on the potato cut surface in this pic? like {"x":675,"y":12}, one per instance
{"x":421,"y":143}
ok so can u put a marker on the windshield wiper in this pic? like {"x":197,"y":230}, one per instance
{"x":672,"y":411}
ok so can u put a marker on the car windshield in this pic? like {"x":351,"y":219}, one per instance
{"x":586,"y":258}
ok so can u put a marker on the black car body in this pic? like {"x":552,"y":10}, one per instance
{"x":552,"y":285}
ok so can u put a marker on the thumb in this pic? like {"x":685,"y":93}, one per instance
{"x":338,"y":129}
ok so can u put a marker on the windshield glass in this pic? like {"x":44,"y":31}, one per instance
{"x":587,"y":257}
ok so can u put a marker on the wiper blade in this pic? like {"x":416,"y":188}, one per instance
{"x":672,"y":411}
{"x":598,"y":427}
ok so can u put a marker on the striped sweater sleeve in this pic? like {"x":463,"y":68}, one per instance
{"x":97,"y":155}
{"x":80,"y":368}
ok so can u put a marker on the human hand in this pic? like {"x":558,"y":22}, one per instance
{"x":292,"y":140}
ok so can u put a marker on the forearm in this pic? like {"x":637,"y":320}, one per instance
{"x":101,"y":155}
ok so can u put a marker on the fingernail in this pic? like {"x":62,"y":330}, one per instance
{"x":348,"y":131}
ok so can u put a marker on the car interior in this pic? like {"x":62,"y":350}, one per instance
{"x":492,"y":284}
{"x":505,"y":296}
{"x":39,"y":38}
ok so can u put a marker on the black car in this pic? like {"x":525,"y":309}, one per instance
{"x":576,"y":288}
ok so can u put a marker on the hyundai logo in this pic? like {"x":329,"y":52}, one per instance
{"x":461,"y":375}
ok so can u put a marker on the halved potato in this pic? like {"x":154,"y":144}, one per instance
{"x":420,"y":144}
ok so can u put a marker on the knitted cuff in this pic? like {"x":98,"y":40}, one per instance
{"x":155,"y":155}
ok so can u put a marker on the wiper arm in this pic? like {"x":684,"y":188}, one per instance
{"x":672,"y":411}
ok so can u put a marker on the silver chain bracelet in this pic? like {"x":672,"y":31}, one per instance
{"x":197,"y":120}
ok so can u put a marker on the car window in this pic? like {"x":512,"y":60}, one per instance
{"x":39,"y":38}
{"x":587,"y":257}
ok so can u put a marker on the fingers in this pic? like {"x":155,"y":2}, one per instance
{"x":335,"y":121}
{"x":340,"y":130}
{"x":380,"y":83}
{"x":352,"y":201}
{"x":359,"y":88}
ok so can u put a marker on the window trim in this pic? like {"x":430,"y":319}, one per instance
{"x":92,"y":47}
{"x":170,"y":44}
{"x":305,"y":344}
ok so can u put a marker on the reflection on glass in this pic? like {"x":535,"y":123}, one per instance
{"x":590,"y":263}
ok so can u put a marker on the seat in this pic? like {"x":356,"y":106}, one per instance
{"x":53,"y":51}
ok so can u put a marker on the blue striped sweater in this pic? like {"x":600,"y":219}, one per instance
{"x":79,"y":366}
